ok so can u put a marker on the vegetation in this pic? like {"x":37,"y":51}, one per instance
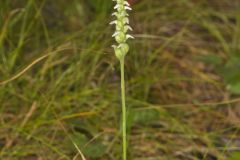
{"x":59,"y":81}
{"x":121,"y":37}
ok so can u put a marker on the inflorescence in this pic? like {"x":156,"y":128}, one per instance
{"x":121,"y":28}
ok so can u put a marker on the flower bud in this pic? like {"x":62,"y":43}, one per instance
{"x":120,"y":37}
{"x":119,"y":26}
{"x":124,"y":48}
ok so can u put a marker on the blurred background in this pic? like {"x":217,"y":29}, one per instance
{"x":60,"y":84}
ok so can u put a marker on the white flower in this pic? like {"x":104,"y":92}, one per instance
{"x":122,"y":27}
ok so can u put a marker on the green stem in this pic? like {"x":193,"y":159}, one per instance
{"x":124,"y":127}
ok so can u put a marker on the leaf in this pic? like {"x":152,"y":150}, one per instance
{"x":234,"y":156}
{"x":94,"y":150}
{"x":234,"y":88}
{"x":231,"y":74}
{"x":89,"y":149}
{"x":145,"y":116}
{"x":230,"y":71}
{"x":211,"y":59}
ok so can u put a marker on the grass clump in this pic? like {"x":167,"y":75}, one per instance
{"x":66,"y":102}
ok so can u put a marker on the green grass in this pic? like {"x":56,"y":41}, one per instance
{"x":179,"y":107}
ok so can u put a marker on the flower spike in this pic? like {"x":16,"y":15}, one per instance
{"x":121,"y":26}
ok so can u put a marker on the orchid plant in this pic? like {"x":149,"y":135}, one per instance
{"x":121,"y":49}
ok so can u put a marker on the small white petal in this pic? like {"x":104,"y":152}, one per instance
{"x":128,"y":8}
{"x":130,"y":28}
{"x":126,"y":20}
{"x":115,"y":34}
{"x":113,"y":22}
{"x":116,"y":6}
{"x":129,"y":36}
{"x":114,"y":14}
{"x":127,"y":27}
{"x":126,"y":3}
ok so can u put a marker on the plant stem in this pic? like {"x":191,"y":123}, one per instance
{"x":124,"y":127}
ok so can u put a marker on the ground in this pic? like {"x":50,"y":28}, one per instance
{"x":60,"y":84}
